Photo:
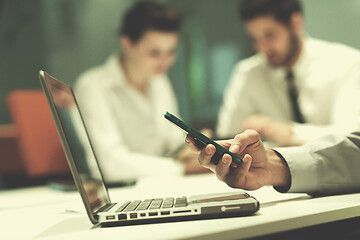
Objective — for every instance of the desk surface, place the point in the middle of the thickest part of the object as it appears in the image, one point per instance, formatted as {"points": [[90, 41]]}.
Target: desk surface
{"points": [[42, 213]]}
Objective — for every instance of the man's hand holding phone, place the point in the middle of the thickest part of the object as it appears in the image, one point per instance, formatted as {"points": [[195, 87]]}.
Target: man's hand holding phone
{"points": [[255, 170], [242, 162], [201, 140]]}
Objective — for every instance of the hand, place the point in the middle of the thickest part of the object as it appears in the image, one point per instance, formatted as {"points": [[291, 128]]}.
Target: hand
{"points": [[193, 167], [259, 167], [189, 158], [270, 129], [185, 154]]}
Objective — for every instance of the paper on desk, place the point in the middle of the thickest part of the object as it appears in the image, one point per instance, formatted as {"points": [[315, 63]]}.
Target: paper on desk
{"points": [[34, 196], [268, 194]]}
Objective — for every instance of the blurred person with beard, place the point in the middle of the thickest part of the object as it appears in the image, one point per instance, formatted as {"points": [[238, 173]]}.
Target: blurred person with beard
{"points": [[296, 88]]}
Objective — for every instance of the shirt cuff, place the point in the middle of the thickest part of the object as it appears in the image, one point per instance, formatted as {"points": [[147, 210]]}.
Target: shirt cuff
{"points": [[303, 169]]}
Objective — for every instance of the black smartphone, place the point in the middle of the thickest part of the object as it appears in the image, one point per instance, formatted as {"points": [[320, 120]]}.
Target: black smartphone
{"points": [[204, 140]]}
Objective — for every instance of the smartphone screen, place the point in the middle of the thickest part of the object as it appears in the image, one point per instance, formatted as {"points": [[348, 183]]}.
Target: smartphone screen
{"points": [[204, 140]]}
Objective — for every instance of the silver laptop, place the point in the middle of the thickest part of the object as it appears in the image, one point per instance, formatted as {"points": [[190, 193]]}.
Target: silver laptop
{"points": [[90, 184]]}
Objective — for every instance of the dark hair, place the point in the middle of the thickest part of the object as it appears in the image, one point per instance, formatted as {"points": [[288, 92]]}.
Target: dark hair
{"points": [[281, 10], [147, 15]]}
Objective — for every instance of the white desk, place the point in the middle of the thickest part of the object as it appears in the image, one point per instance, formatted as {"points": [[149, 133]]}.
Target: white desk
{"points": [[48, 214]]}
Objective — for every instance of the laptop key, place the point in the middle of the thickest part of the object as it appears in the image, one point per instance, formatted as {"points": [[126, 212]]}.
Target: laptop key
{"points": [[108, 207], [144, 205], [156, 204], [132, 206], [169, 200], [121, 208], [181, 202], [168, 203]]}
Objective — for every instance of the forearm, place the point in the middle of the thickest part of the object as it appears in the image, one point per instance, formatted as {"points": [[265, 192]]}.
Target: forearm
{"points": [[326, 166], [306, 132]]}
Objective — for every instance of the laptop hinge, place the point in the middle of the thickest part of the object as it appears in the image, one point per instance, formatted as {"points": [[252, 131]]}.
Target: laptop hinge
{"points": [[105, 208]]}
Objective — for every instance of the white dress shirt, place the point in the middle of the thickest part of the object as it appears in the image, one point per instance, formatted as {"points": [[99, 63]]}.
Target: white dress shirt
{"points": [[327, 76], [130, 136]]}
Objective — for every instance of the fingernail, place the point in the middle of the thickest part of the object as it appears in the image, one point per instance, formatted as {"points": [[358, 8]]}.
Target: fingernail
{"points": [[234, 148], [207, 150], [225, 161]]}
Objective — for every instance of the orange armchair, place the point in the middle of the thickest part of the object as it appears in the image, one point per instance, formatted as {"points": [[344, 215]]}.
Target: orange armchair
{"points": [[10, 160], [39, 144]]}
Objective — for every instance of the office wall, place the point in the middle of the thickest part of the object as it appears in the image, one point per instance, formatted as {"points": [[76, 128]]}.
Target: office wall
{"points": [[213, 40], [333, 20], [66, 37], [21, 41], [63, 37]]}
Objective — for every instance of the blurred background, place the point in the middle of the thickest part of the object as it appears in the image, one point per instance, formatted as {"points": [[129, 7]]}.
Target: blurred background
{"points": [[66, 37]]}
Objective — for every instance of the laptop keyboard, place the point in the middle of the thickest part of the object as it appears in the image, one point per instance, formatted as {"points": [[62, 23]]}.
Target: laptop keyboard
{"points": [[157, 203]]}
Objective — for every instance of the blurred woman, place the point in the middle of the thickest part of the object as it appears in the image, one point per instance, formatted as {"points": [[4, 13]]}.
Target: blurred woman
{"points": [[123, 101]]}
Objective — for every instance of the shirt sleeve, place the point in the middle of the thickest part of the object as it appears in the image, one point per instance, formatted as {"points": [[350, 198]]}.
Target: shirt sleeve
{"points": [[117, 161], [236, 107], [329, 165]]}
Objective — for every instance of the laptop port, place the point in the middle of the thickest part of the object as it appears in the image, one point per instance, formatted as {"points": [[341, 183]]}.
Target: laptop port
{"points": [[183, 211], [111, 217], [165, 213], [133, 215], [122, 217], [153, 213], [142, 214]]}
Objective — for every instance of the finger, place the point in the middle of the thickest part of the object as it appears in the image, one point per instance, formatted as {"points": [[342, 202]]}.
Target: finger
{"points": [[223, 167], [190, 141], [194, 143], [206, 154], [241, 141], [207, 132], [236, 178], [199, 144], [243, 168], [225, 143], [234, 165]]}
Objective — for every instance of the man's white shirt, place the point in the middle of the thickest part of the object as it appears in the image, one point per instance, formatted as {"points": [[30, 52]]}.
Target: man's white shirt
{"points": [[327, 76]]}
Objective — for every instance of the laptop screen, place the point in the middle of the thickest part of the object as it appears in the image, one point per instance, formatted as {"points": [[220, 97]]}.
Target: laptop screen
{"points": [[76, 143]]}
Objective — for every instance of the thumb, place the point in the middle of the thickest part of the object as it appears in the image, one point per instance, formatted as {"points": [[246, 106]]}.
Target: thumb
{"points": [[245, 166]]}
